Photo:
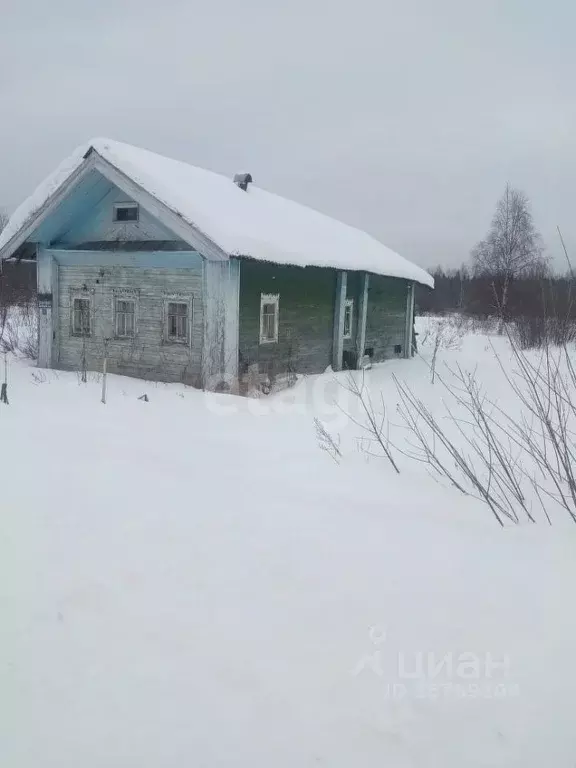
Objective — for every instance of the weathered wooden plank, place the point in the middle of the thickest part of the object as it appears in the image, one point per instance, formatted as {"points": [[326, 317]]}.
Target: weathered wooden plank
{"points": [[409, 320], [144, 260]]}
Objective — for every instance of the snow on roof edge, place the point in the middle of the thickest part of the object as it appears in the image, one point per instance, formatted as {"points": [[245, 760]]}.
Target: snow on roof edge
{"points": [[33, 204]]}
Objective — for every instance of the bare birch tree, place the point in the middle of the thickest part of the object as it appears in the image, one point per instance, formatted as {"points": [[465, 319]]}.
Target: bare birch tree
{"points": [[512, 247]]}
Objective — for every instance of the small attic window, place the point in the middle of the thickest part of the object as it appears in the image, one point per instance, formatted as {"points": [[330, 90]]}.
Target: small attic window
{"points": [[126, 212]]}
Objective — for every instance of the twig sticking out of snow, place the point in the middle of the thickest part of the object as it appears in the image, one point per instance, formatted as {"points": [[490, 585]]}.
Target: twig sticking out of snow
{"points": [[327, 442]]}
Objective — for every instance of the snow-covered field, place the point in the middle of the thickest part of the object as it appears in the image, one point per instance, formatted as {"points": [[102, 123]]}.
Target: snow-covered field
{"points": [[191, 581]]}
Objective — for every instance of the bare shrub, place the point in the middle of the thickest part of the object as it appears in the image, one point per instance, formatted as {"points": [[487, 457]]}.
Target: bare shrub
{"points": [[514, 463], [547, 314], [327, 442], [375, 423], [474, 456], [445, 333], [29, 330], [519, 461], [537, 331], [19, 330]]}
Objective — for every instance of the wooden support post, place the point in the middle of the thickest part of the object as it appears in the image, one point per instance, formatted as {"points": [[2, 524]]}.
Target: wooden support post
{"points": [[232, 334], [4, 389], [44, 278], [221, 324], [104, 362], [55, 354], [104, 370], [362, 312], [409, 320], [339, 303]]}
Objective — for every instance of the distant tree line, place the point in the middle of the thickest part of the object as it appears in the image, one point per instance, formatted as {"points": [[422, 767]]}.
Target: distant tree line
{"points": [[460, 290], [508, 277]]}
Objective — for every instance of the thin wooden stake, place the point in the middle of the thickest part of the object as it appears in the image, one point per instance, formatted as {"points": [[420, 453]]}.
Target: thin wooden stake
{"points": [[4, 391], [104, 367], [104, 381]]}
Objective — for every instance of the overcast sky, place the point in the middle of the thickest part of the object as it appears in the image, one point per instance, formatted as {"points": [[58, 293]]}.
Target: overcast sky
{"points": [[404, 118]]}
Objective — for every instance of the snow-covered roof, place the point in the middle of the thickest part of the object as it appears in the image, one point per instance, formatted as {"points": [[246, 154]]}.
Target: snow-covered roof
{"points": [[253, 223]]}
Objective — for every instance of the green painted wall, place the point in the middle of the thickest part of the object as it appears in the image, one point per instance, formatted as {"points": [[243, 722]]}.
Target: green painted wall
{"points": [[386, 316], [305, 319], [306, 316]]}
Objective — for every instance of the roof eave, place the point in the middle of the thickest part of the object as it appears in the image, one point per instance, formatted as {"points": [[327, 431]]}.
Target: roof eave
{"points": [[428, 283], [41, 213], [93, 160]]}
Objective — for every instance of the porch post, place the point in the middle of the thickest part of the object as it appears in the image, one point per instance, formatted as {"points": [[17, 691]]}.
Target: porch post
{"points": [[409, 320], [45, 272], [221, 321], [55, 356], [339, 303], [362, 311], [231, 336]]}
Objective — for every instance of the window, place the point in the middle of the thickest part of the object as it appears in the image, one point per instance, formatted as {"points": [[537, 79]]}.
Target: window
{"points": [[81, 317], [348, 313], [126, 212], [177, 317], [269, 304], [125, 318]]}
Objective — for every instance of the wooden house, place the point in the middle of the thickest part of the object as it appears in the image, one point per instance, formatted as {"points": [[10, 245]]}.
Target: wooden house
{"points": [[175, 273]]}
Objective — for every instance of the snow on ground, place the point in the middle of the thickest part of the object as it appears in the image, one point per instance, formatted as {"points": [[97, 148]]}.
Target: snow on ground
{"points": [[192, 581]]}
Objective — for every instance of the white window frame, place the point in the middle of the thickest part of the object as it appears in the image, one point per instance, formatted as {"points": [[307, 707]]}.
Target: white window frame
{"points": [[178, 299], [128, 204], [120, 294], [348, 306], [269, 298], [81, 296]]}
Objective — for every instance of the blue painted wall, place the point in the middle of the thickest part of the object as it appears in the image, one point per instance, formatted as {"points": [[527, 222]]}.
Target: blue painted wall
{"points": [[87, 214], [97, 223]]}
